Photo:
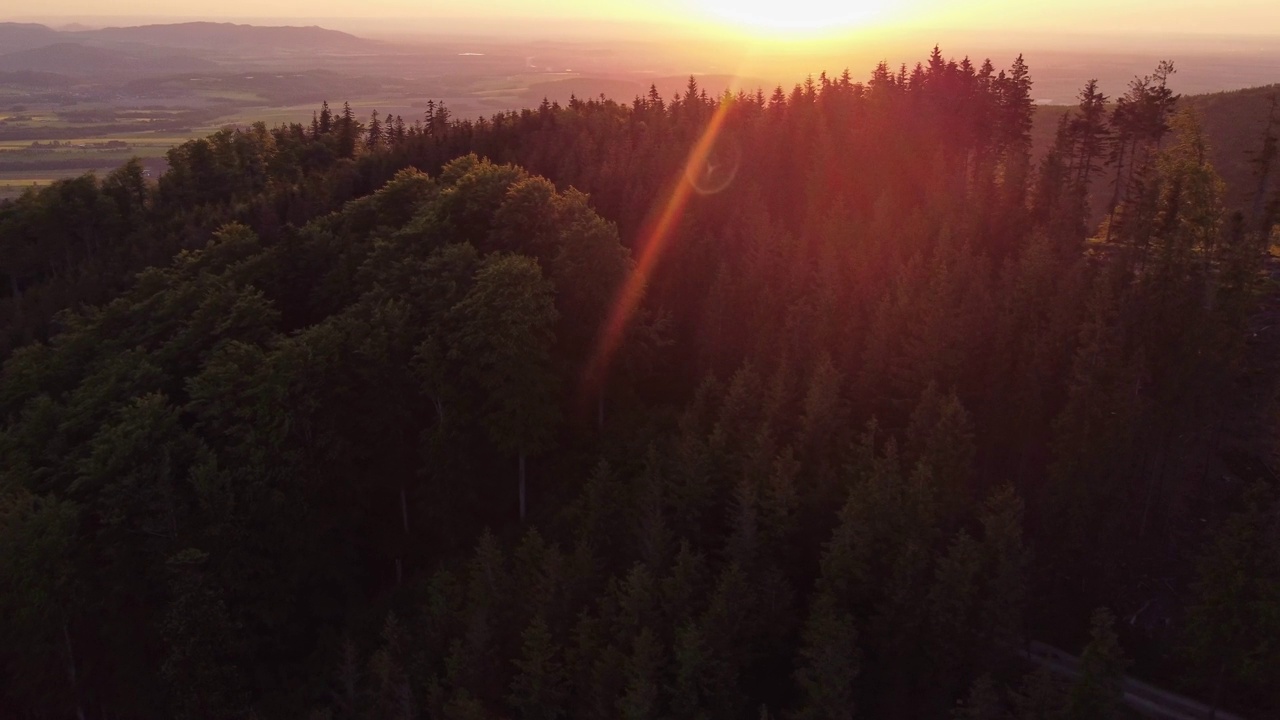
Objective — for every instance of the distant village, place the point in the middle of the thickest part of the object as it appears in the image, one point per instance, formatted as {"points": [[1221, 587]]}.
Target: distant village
{"points": [[38, 146]]}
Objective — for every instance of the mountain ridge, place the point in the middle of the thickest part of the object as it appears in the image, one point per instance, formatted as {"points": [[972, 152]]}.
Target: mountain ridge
{"points": [[226, 36]]}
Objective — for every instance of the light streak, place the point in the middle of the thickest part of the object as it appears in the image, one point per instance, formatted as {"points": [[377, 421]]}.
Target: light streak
{"points": [[652, 246]]}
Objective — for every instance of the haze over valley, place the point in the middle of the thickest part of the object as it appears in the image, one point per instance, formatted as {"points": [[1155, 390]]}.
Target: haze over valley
{"points": [[150, 86]]}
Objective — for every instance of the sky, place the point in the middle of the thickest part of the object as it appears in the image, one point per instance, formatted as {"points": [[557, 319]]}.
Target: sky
{"points": [[782, 19]]}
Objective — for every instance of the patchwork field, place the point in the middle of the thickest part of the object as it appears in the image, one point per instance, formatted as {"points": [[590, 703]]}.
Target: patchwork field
{"points": [[40, 143], [13, 184]]}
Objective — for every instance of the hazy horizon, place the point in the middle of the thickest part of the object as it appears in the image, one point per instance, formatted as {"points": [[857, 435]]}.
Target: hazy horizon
{"points": [[1122, 21], [698, 44]]}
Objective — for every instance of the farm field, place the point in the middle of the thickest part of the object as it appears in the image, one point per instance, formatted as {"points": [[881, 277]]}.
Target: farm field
{"points": [[24, 163], [13, 184], [49, 148], [51, 134]]}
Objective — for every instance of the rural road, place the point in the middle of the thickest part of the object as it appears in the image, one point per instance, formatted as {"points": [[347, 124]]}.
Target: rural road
{"points": [[1147, 700]]}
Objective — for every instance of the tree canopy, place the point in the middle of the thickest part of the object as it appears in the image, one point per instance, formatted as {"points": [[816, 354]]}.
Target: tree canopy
{"points": [[317, 424]]}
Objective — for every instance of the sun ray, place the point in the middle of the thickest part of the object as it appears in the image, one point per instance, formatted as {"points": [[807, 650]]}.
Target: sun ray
{"points": [[653, 244]]}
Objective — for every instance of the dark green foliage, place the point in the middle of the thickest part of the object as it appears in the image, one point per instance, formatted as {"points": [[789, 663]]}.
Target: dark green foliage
{"points": [[982, 703], [538, 690], [257, 461], [1097, 691], [1235, 613], [828, 662]]}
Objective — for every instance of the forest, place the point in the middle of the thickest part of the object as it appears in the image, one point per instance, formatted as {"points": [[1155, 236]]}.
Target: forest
{"points": [[810, 404]]}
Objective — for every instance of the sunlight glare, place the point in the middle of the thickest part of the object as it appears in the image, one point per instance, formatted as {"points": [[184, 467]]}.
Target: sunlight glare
{"points": [[794, 16]]}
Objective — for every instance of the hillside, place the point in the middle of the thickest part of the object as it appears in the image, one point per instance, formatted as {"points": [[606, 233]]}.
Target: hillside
{"points": [[88, 61], [1233, 121], [229, 38], [24, 36], [33, 80], [148, 50]]}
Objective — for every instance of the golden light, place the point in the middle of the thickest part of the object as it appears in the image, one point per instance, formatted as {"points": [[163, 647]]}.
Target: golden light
{"points": [[705, 172], [794, 17]]}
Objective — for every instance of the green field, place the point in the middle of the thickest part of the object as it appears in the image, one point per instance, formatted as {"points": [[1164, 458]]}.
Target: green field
{"points": [[142, 145], [13, 184], [154, 115], [271, 115]]}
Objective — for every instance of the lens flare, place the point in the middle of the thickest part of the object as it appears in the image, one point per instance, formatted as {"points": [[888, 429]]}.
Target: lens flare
{"points": [[702, 165], [716, 171]]}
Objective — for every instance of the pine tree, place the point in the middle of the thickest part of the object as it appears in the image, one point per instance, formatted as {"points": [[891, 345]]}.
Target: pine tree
{"points": [[1016, 118], [348, 132], [326, 119], [641, 699], [1007, 561], [1234, 614], [1041, 697], [941, 436], [1264, 163], [829, 662], [373, 136], [953, 604], [538, 691], [653, 536], [1089, 131], [1098, 692], [983, 702], [394, 697]]}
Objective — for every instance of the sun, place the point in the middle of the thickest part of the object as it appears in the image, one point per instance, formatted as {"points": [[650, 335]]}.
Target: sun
{"points": [[793, 17]]}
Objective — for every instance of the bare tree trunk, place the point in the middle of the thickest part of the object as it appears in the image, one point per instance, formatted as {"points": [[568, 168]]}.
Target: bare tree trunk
{"points": [[1217, 690], [1115, 192], [1264, 160], [522, 507], [348, 675], [1156, 481], [17, 294], [71, 671], [404, 516], [1211, 450], [404, 509]]}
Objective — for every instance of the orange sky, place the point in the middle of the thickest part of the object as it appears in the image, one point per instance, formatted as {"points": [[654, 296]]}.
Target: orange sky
{"points": [[756, 17]]}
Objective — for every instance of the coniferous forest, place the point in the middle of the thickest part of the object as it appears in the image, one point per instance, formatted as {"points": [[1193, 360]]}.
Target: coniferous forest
{"points": [[814, 404]]}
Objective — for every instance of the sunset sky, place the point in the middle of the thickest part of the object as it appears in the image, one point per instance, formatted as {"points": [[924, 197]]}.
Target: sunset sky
{"points": [[760, 17]]}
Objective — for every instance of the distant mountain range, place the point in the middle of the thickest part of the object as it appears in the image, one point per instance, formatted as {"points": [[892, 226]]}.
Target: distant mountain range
{"points": [[228, 37], [161, 49], [24, 36]]}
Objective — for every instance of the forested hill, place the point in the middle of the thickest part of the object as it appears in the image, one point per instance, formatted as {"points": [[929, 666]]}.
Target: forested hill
{"points": [[1234, 123], [819, 405], [231, 37], [223, 38]]}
